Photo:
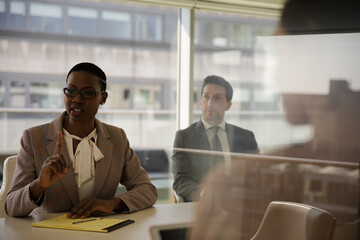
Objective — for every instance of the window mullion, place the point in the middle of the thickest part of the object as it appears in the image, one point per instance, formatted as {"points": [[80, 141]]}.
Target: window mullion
{"points": [[185, 68]]}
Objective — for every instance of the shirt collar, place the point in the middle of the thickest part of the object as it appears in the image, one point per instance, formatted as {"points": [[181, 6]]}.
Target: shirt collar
{"points": [[208, 125], [92, 135]]}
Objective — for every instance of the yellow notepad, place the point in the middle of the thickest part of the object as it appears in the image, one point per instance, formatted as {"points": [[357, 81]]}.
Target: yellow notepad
{"points": [[98, 225]]}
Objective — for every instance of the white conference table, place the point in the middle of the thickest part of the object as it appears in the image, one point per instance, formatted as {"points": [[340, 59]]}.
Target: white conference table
{"points": [[21, 229]]}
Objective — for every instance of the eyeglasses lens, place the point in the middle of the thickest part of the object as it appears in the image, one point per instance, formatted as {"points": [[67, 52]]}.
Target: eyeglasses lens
{"points": [[86, 93]]}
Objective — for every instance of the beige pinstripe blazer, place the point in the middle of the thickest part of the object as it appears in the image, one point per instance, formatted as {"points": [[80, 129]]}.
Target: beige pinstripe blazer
{"points": [[120, 165]]}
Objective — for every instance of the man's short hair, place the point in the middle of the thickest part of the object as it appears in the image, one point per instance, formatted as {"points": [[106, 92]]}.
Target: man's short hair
{"points": [[90, 68], [213, 79]]}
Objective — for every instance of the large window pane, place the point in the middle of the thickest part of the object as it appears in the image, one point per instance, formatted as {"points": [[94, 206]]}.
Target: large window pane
{"points": [[241, 35], [266, 99], [18, 94], [148, 27], [82, 21], [45, 18], [2, 94], [17, 15], [211, 33], [298, 94], [120, 96], [46, 95], [232, 55], [242, 99], [116, 24], [138, 55], [2, 14], [147, 97]]}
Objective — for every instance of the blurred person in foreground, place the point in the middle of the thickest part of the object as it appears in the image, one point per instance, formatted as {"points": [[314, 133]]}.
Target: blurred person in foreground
{"points": [[75, 163], [210, 133], [220, 213]]}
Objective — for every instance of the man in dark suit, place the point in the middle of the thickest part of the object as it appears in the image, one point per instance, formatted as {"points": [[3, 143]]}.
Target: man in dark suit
{"points": [[210, 133]]}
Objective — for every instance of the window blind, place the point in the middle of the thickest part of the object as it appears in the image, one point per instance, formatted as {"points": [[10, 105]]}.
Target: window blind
{"points": [[270, 8]]}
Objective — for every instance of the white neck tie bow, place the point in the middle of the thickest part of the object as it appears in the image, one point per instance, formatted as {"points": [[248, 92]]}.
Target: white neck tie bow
{"points": [[87, 153]]}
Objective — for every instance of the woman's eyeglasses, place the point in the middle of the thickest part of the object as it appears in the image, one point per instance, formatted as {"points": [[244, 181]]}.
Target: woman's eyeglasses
{"points": [[87, 93]]}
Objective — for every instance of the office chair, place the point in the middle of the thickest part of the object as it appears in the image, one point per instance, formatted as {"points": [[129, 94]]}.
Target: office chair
{"points": [[175, 198], [295, 221], [8, 172]]}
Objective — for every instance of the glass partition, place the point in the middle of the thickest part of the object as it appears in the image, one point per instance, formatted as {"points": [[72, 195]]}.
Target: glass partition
{"points": [[296, 88], [295, 100]]}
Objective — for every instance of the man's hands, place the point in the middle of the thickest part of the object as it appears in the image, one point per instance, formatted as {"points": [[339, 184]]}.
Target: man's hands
{"points": [[94, 207], [53, 169]]}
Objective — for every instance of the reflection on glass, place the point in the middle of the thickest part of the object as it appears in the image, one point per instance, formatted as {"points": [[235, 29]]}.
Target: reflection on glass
{"points": [[237, 195], [334, 118], [312, 67], [314, 94]]}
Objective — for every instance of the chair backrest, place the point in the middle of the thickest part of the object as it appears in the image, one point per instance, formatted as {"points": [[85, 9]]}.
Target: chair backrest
{"points": [[153, 160], [175, 198], [8, 172], [295, 221]]}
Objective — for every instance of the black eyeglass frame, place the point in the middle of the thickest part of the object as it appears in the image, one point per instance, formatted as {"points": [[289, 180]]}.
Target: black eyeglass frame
{"points": [[82, 93]]}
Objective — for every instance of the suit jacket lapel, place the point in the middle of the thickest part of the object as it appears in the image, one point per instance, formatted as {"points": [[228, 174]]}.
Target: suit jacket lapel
{"points": [[102, 167], [231, 136], [201, 139], [68, 181]]}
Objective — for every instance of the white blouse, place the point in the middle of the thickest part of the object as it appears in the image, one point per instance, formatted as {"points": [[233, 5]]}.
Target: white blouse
{"points": [[86, 154]]}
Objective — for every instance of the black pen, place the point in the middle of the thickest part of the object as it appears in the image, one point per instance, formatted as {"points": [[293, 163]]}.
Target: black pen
{"points": [[87, 220]]}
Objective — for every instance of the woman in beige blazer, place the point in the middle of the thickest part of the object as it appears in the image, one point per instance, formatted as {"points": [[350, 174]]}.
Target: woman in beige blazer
{"points": [[76, 162]]}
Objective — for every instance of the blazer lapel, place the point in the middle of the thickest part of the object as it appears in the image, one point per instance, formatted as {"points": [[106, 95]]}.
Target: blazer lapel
{"points": [[231, 135], [102, 167], [201, 140], [68, 181]]}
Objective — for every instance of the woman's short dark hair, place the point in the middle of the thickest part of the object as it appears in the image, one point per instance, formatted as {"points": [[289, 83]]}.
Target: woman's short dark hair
{"points": [[90, 68], [213, 79]]}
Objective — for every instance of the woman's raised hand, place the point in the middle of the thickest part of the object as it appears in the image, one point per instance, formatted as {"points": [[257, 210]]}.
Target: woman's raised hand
{"points": [[54, 168]]}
